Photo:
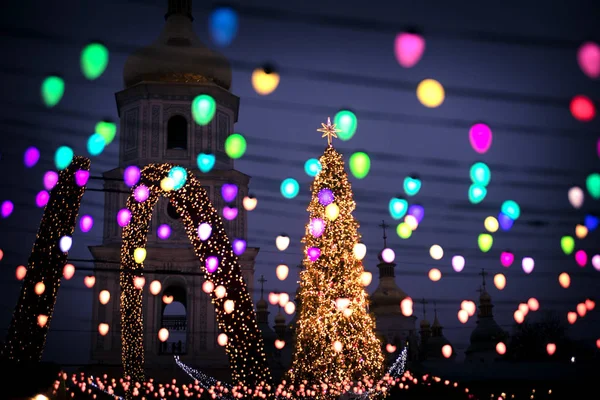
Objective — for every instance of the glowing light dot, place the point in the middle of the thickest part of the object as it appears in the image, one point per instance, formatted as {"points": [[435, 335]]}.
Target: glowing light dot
{"points": [[430, 93], [228, 192], [63, 157], [564, 280], [338, 346], [139, 282], [346, 122], [501, 348], [204, 231], [500, 281], [1, 254], [447, 351], [463, 316], [104, 297], [163, 231], [265, 80], [519, 316], [103, 328], [282, 271], [527, 264], [42, 320], [31, 157], [290, 188], [41, 199], [228, 306], [21, 272], [480, 138], [65, 243], [533, 304], [567, 244], [365, 278], [435, 274], [436, 252], [388, 255], [572, 317], [469, 307], [279, 344], [81, 177], [235, 146], [316, 227], [398, 207], [290, 308], [505, 221], [163, 334], [39, 288], [204, 107], [406, 306], [412, 185], [167, 299], [222, 340], [141, 193], [550, 348], [312, 167], [458, 263], [359, 250], [412, 222], [155, 287], [208, 287]]}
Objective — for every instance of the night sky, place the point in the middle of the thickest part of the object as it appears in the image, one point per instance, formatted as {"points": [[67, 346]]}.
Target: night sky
{"points": [[512, 66]]}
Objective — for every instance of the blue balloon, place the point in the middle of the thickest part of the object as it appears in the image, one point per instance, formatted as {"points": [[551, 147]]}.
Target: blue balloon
{"points": [[591, 222], [223, 25], [505, 221]]}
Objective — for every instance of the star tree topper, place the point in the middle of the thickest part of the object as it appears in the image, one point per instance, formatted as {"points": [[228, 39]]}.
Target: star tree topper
{"points": [[328, 130]]}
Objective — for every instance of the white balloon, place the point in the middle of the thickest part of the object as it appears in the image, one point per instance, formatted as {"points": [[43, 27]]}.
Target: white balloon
{"points": [[65, 243], [282, 242], [576, 196]]}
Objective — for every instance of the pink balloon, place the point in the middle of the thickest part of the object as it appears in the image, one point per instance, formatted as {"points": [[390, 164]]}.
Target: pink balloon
{"points": [[588, 57], [581, 258], [409, 48], [507, 258], [480, 136]]}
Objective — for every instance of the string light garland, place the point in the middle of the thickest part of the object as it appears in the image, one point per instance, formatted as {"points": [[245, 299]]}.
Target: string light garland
{"points": [[245, 346], [26, 337], [331, 346]]}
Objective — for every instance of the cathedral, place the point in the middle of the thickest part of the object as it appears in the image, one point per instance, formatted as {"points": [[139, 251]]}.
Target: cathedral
{"points": [[160, 82]]}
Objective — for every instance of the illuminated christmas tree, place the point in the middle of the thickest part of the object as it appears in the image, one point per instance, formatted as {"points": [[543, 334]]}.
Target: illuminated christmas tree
{"points": [[336, 339]]}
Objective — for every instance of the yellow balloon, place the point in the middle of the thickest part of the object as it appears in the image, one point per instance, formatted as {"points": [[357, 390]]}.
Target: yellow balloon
{"points": [[430, 93], [167, 184], [491, 224], [332, 211], [265, 81], [139, 255]]}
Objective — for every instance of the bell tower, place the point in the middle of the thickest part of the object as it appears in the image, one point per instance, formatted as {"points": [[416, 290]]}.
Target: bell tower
{"points": [[156, 126]]}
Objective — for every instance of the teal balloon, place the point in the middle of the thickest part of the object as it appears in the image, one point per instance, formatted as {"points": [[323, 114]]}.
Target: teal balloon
{"points": [[593, 185], [206, 162], [398, 207], [312, 167], [477, 193], [290, 188], [203, 109], [63, 157], [345, 121], [179, 176], [94, 60], [511, 209], [360, 164], [480, 174], [96, 144], [412, 185], [53, 89]]}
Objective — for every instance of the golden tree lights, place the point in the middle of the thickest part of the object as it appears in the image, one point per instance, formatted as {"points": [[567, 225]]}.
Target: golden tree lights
{"points": [[26, 336], [333, 347], [245, 344]]}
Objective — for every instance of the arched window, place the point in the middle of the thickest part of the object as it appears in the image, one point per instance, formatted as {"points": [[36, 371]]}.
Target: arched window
{"points": [[174, 318], [177, 133]]}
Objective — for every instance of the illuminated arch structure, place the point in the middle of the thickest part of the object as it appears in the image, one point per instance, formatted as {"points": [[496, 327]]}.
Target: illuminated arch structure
{"points": [[26, 336], [245, 346]]}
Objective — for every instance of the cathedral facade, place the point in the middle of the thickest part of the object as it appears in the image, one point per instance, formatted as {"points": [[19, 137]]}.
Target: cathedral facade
{"points": [[156, 126]]}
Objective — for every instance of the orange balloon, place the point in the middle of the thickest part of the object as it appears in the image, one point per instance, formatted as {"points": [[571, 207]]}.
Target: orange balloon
{"points": [[21, 272], [435, 274], [469, 307], [42, 320], [68, 271], [598, 343], [1, 254], [406, 306], [572, 317], [533, 304], [581, 309], [447, 351], [89, 281], [590, 304], [40, 288], [501, 348], [551, 348], [524, 309], [519, 317], [103, 329], [463, 316], [564, 280]]}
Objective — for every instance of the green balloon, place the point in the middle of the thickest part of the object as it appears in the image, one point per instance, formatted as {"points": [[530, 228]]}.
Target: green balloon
{"points": [[345, 121], [477, 193], [360, 164], [107, 130], [485, 242], [94, 60], [203, 109], [511, 209], [403, 230], [593, 185], [53, 88], [567, 243], [63, 157], [235, 146], [480, 174]]}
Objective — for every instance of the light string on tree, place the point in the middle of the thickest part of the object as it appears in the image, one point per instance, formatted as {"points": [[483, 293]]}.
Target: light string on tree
{"points": [[245, 346], [27, 332]]}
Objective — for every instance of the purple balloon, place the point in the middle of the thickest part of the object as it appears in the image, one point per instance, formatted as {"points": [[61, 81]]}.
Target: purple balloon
{"points": [[326, 197], [123, 217], [212, 264], [505, 221], [228, 192], [141, 193], [239, 247], [313, 253], [86, 223], [317, 227], [230, 213], [7, 208], [42, 199], [31, 157], [50, 180], [131, 175], [417, 211], [81, 177], [164, 231]]}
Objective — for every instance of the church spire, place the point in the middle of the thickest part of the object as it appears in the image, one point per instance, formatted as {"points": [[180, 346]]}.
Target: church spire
{"points": [[180, 7], [383, 225], [485, 300], [386, 270]]}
